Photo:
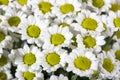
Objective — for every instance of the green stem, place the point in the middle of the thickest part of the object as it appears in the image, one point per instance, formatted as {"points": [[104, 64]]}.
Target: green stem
{"points": [[110, 40]]}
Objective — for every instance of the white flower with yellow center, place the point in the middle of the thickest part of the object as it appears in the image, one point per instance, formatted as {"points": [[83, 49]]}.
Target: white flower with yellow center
{"points": [[28, 75], [5, 75], [113, 21], [65, 8], [43, 7], [60, 77], [63, 22], [5, 61], [57, 37], [115, 51], [14, 19], [26, 58], [82, 63], [109, 68], [52, 59], [92, 42], [87, 21], [33, 30], [117, 36], [5, 39], [22, 4], [99, 5], [115, 5]]}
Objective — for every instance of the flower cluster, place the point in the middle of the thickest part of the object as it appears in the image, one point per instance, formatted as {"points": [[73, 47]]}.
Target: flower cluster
{"points": [[59, 39]]}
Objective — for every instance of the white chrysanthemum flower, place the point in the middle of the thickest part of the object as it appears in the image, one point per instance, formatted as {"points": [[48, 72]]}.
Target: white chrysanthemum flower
{"points": [[57, 37], [26, 58], [5, 75], [28, 75], [60, 77], [33, 30], [107, 32], [65, 8], [43, 8], [5, 63], [115, 5], [82, 63], [63, 22], [113, 21], [99, 5], [109, 68], [115, 51], [92, 42], [22, 4], [88, 22], [14, 20], [5, 39], [52, 59]]}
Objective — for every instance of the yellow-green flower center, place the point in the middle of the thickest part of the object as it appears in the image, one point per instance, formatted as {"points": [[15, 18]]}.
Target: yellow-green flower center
{"points": [[64, 25], [106, 48], [118, 34], [3, 76], [66, 8], [98, 3], [82, 63], [22, 2], [108, 65], [28, 75], [57, 39], [45, 7], [4, 2], [29, 59], [89, 24], [115, 7], [84, 0], [53, 59], [89, 42], [14, 21], [117, 54], [0, 20], [117, 22], [33, 31], [2, 36], [3, 60], [74, 43]]}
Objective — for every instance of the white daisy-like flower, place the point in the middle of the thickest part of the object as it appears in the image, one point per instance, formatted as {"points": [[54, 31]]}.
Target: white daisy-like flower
{"points": [[113, 21], [26, 58], [5, 39], [115, 5], [14, 19], [33, 30], [5, 61], [52, 59], [99, 5], [60, 77], [82, 63], [92, 42], [115, 51], [28, 75], [22, 4], [57, 37], [43, 8], [107, 32], [5, 75], [109, 68], [88, 22], [63, 22], [65, 8], [117, 36]]}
